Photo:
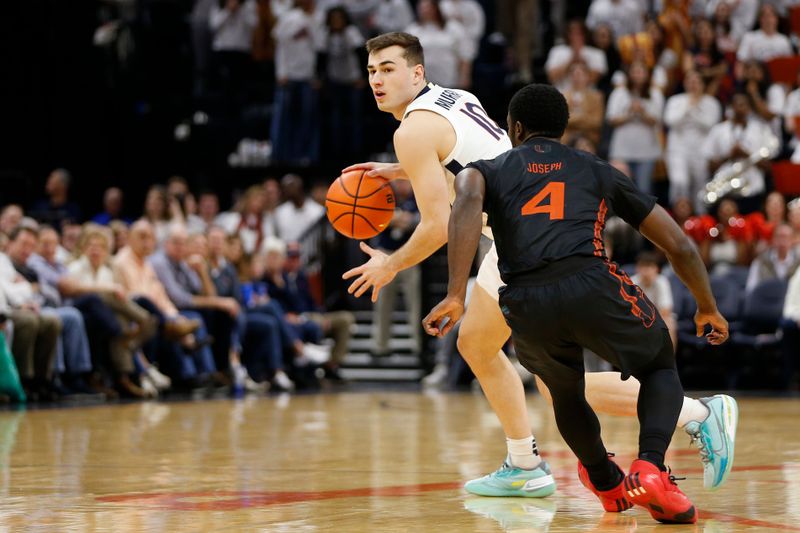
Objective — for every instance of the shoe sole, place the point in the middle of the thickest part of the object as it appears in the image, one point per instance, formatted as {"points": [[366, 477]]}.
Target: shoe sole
{"points": [[616, 505], [731, 409], [640, 495], [541, 492]]}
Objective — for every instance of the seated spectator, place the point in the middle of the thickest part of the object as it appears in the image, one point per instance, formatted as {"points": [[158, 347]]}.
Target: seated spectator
{"points": [[159, 211], [10, 217], [298, 214], [705, 58], [36, 333], [728, 242], [780, 261], [133, 271], [563, 56], [689, 117], [207, 208], [249, 221], [73, 357], [625, 17], [793, 218], [90, 273], [657, 289], [57, 209], [119, 235], [767, 42], [112, 207], [735, 139], [634, 111], [190, 289], [449, 51], [763, 223], [183, 206], [70, 237], [790, 326], [695, 226], [586, 106]]}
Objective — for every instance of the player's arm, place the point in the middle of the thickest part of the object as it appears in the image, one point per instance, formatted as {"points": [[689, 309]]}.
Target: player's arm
{"points": [[416, 143], [464, 231], [660, 229]]}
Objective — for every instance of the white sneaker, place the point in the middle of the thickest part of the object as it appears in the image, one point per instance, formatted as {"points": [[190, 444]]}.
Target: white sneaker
{"points": [[316, 353], [160, 381], [437, 377], [148, 386], [239, 375], [281, 380], [250, 385]]}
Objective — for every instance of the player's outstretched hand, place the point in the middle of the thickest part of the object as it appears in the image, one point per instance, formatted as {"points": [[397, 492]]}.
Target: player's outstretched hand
{"points": [[719, 326], [375, 273], [443, 317], [389, 171]]}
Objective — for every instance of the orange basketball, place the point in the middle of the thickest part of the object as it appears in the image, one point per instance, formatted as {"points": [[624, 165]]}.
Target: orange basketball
{"points": [[360, 206]]}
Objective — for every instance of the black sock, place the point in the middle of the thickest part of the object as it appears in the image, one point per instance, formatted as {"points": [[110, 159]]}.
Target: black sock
{"points": [[605, 475], [654, 457]]}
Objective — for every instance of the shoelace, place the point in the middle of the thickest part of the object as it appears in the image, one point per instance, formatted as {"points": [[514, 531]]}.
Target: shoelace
{"points": [[696, 438], [673, 479]]}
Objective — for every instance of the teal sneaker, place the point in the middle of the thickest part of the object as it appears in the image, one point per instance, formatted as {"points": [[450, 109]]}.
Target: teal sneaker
{"points": [[509, 480], [715, 438]]}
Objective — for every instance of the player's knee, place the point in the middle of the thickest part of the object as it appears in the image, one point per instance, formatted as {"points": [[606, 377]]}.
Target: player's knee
{"points": [[469, 345]]}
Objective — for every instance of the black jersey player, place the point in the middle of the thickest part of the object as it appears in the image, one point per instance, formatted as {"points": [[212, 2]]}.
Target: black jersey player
{"points": [[547, 204]]}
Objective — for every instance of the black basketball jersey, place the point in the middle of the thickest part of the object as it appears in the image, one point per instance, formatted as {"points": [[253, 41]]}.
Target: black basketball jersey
{"points": [[547, 202]]}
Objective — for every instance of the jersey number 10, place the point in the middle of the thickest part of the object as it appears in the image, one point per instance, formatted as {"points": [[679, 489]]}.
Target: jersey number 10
{"points": [[476, 113], [555, 209]]}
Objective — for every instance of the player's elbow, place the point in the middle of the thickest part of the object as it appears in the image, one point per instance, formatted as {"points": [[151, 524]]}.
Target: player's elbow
{"points": [[681, 248]]}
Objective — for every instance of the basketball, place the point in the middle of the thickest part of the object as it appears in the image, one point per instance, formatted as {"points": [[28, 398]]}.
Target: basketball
{"points": [[360, 206]]}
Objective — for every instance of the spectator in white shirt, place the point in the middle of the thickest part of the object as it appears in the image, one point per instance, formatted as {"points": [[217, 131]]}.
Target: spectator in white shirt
{"points": [[740, 14], [634, 111], [469, 14], [689, 117], [344, 85], [232, 23], [298, 213], [295, 132], [768, 99], [249, 220], [392, 15], [765, 43], [624, 16], [562, 56], [448, 50], [780, 261], [736, 139]]}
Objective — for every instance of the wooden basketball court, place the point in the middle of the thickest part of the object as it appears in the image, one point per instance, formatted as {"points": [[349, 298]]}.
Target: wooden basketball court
{"points": [[351, 462]]}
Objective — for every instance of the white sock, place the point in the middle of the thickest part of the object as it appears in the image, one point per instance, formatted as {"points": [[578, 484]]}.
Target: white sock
{"points": [[524, 453], [692, 411]]}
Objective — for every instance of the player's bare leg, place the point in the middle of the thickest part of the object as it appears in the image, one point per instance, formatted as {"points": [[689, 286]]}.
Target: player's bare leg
{"points": [[710, 422], [482, 335]]}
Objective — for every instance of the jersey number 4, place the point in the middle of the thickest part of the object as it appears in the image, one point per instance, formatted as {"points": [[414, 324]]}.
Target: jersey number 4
{"points": [[555, 209]]}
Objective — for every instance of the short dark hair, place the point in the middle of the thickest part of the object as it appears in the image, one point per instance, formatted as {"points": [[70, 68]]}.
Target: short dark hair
{"points": [[413, 49], [541, 109], [23, 228], [648, 258]]}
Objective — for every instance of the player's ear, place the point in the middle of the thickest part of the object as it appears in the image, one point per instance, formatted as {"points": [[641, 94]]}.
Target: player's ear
{"points": [[419, 73]]}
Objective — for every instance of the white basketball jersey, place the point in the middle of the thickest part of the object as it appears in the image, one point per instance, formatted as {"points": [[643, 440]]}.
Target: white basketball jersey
{"points": [[477, 136]]}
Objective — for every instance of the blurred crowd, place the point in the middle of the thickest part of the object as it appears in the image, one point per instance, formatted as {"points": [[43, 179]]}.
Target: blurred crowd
{"points": [[696, 100], [182, 298]]}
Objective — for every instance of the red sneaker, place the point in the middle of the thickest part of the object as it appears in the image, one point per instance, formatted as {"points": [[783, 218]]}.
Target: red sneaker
{"points": [[613, 500], [657, 492]]}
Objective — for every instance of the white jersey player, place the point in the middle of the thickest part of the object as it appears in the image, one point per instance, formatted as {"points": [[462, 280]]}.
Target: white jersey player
{"points": [[442, 130]]}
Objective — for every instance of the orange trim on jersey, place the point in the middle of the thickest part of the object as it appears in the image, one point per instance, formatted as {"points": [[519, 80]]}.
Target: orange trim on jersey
{"points": [[647, 316], [599, 248]]}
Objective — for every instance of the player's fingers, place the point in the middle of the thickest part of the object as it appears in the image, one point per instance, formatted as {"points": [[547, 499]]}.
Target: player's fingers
{"points": [[375, 291], [365, 286], [359, 166], [366, 248], [700, 329], [356, 284], [447, 327], [353, 272]]}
